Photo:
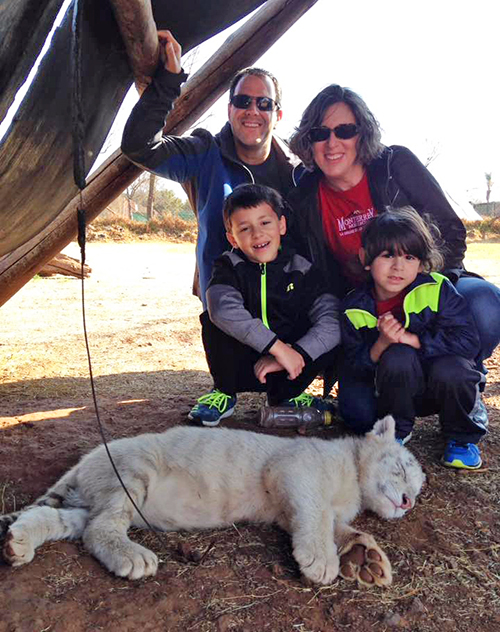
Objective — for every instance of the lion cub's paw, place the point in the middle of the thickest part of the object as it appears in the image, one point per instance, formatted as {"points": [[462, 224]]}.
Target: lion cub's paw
{"points": [[18, 548], [317, 568], [363, 560], [135, 562]]}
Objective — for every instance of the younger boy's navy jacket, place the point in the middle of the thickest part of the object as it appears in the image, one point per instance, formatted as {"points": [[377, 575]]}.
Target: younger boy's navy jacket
{"points": [[434, 311], [284, 299]]}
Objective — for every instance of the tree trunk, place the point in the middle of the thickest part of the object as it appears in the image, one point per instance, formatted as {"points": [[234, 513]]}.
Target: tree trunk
{"points": [[151, 196], [129, 206]]}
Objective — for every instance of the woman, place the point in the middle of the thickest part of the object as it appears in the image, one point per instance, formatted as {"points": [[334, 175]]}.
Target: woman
{"points": [[350, 177]]}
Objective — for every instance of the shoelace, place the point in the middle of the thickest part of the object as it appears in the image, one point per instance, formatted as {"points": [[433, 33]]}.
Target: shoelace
{"points": [[304, 399], [216, 399], [463, 447]]}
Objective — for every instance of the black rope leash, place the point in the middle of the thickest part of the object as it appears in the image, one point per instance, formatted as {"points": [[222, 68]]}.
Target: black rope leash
{"points": [[78, 118]]}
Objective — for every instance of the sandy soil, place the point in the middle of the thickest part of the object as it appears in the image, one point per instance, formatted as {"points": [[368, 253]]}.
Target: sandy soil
{"points": [[149, 367]]}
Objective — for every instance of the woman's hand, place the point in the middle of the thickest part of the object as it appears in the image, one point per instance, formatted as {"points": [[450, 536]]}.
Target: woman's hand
{"points": [[266, 364], [290, 360], [170, 52]]}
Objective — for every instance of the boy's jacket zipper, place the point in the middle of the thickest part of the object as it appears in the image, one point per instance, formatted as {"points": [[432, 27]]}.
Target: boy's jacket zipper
{"points": [[263, 294]]}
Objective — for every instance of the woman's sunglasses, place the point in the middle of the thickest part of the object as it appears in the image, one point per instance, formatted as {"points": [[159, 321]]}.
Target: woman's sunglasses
{"points": [[342, 132], [243, 102]]}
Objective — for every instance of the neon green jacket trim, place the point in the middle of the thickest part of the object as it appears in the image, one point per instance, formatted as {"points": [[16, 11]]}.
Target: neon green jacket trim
{"points": [[421, 297]]}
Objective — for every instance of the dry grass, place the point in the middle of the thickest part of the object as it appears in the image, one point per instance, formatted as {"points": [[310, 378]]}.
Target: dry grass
{"points": [[487, 228], [170, 228]]}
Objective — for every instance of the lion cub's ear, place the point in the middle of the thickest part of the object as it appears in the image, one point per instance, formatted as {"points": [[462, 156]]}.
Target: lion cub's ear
{"points": [[385, 428]]}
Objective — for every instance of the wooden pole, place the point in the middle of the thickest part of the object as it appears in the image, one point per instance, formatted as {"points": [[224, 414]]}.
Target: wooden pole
{"points": [[243, 48], [138, 30]]}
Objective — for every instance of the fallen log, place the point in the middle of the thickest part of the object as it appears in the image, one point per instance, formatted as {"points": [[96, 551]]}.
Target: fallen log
{"points": [[66, 265]]}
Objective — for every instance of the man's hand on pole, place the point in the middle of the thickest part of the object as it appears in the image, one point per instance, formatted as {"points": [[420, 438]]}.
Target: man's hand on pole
{"points": [[170, 52]]}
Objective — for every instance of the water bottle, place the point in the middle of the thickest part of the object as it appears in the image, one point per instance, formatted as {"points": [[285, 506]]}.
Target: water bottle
{"points": [[300, 418]]}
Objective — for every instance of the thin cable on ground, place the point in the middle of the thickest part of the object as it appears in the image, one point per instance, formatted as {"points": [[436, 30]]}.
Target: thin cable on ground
{"points": [[80, 181], [96, 408]]}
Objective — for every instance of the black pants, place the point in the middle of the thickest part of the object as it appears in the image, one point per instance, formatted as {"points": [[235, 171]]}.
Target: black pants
{"points": [[231, 365], [405, 387]]}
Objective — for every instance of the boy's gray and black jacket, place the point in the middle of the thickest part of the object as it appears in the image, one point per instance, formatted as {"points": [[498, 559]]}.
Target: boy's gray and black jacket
{"points": [[285, 299], [434, 311]]}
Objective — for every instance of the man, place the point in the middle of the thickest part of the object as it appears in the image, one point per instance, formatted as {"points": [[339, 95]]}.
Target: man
{"points": [[209, 167]]}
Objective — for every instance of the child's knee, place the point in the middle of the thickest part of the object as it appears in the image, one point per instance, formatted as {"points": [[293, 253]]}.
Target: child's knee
{"points": [[398, 363], [358, 415], [451, 371]]}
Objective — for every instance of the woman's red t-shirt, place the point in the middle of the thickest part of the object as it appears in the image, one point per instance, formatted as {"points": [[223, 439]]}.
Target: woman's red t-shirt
{"points": [[344, 215]]}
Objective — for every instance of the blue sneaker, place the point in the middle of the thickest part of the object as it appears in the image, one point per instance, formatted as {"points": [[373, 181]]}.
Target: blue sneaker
{"points": [[309, 401], [464, 456], [212, 407], [404, 440]]}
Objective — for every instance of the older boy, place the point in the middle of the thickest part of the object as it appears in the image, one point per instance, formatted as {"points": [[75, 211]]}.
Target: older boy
{"points": [[270, 323]]}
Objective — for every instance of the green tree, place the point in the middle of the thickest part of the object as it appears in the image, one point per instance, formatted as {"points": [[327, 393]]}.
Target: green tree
{"points": [[167, 203]]}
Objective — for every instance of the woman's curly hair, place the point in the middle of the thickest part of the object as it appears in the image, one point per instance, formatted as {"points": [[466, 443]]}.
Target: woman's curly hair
{"points": [[368, 144]]}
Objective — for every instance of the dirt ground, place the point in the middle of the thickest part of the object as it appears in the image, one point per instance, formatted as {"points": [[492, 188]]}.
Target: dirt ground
{"points": [[149, 367]]}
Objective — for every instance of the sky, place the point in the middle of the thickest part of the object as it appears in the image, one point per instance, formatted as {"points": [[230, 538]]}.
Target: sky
{"points": [[428, 70]]}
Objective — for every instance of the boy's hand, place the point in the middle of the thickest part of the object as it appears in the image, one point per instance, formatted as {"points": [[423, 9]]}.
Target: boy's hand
{"points": [[390, 332], [266, 364], [390, 329], [290, 360], [170, 52], [410, 339]]}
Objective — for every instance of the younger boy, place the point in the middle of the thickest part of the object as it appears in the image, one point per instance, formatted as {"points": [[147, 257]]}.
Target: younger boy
{"points": [[270, 325], [410, 341]]}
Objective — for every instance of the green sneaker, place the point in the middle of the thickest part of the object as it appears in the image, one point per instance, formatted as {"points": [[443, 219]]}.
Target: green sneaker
{"points": [[212, 407], [306, 400]]}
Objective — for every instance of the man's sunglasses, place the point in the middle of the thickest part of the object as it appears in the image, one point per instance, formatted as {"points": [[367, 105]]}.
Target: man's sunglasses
{"points": [[243, 102], [342, 132]]}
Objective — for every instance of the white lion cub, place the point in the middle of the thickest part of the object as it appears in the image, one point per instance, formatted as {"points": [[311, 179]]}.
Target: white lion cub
{"points": [[192, 478]]}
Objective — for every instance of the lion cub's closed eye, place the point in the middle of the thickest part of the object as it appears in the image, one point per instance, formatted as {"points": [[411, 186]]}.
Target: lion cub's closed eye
{"points": [[194, 478]]}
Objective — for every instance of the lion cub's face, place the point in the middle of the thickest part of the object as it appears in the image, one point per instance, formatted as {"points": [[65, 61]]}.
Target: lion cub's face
{"points": [[390, 476]]}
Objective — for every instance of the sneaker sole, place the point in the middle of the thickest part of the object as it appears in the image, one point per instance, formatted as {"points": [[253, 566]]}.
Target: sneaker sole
{"points": [[460, 465], [212, 424]]}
